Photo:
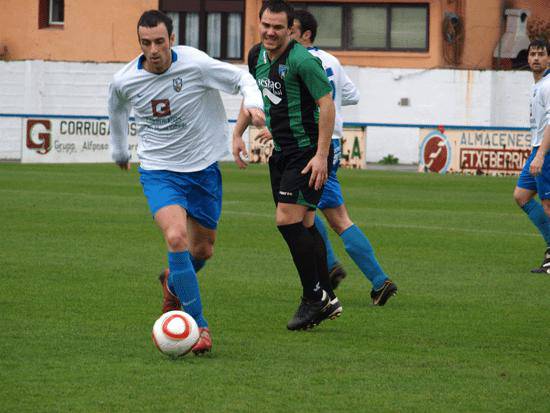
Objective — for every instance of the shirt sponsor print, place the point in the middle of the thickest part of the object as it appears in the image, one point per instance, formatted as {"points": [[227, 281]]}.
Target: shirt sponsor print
{"points": [[474, 152]]}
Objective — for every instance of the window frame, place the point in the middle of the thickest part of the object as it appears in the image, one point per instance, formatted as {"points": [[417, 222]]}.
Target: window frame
{"points": [[203, 8], [45, 9], [51, 22], [346, 33]]}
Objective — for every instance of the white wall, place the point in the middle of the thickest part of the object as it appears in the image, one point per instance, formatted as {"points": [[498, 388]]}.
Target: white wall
{"points": [[448, 97]]}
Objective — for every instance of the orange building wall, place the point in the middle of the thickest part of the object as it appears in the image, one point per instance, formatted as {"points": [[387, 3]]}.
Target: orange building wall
{"points": [[98, 30], [432, 58], [104, 31], [483, 28]]}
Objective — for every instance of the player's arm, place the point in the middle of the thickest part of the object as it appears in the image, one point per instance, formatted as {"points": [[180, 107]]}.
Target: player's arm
{"points": [[538, 161], [318, 164], [230, 79], [315, 79], [119, 113], [350, 94], [239, 148]]}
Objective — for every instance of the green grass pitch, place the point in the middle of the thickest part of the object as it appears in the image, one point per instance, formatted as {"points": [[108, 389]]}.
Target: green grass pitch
{"points": [[469, 330]]}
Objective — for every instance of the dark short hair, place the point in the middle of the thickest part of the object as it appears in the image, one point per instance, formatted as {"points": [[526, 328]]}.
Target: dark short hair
{"points": [[307, 21], [152, 18], [540, 43], [279, 6]]}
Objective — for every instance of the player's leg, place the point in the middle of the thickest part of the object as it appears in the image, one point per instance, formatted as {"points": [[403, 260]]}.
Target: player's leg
{"points": [[332, 259], [543, 189], [360, 250], [289, 218], [291, 209], [168, 194], [201, 243], [524, 195], [203, 214], [335, 309], [331, 197], [182, 281]]}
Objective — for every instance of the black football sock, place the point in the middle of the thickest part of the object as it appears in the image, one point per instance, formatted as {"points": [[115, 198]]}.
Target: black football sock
{"points": [[302, 248], [322, 266]]}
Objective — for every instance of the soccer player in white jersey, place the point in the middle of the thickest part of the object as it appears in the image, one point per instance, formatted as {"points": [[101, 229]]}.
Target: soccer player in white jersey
{"points": [[182, 133], [535, 176], [332, 205]]}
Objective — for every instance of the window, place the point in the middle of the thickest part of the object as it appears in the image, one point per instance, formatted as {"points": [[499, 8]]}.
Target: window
{"points": [[51, 13], [214, 26], [399, 27]]}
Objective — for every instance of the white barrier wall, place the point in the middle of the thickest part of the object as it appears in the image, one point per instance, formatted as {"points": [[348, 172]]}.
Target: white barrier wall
{"points": [[390, 98]]}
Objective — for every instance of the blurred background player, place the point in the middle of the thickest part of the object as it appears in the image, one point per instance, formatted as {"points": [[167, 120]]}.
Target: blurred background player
{"points": [[357, 245], [182, 133], [300, 117], [535, 176]]}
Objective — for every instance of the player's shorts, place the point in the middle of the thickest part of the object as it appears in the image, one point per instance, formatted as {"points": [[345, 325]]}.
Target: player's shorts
{"points": [[288, 184], [332, 193], [199, 193], [540, 183]]}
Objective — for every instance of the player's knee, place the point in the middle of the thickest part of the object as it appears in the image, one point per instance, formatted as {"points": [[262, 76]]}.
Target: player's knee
{"points": [[176, 240], [340, 225], [521, 198], [203, 251]]}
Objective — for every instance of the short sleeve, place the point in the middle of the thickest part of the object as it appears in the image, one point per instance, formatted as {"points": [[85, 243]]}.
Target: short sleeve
{"points": [[253, 56], [314, 77]]}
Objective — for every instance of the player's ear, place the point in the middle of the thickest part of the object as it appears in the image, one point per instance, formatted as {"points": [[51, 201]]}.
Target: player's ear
{"points": [[172, 39]]}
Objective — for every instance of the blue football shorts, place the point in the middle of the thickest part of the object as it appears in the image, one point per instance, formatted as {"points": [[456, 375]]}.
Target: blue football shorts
{"points": [[199, 193], [332, 193], [540, 183]]}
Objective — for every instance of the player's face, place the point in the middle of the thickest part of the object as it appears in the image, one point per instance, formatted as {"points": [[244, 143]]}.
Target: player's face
{"points": [[296, 31], [155, 45], [274, 31], [538, 59]]}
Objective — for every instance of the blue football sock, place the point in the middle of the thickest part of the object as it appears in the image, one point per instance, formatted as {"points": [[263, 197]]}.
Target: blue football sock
{"points": [[360, 250], [536, 214], [197, 264], [183, 282], [332, 259]]}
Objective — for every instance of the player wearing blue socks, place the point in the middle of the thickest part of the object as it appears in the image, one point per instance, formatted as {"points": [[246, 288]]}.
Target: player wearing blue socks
{"points": [[182, 133], [332, 205], [535, 176]]}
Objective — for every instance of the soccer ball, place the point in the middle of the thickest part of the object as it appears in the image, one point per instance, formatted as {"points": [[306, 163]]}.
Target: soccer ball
{"points": [[175, 333]]}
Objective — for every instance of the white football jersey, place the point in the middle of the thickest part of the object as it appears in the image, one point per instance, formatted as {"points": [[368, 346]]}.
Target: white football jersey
{"points": [[540, 108], [344, 92], [180, 118]]}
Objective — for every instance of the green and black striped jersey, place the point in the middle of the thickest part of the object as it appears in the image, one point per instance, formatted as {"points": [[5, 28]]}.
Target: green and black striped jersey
{"points": [[290, 86]]}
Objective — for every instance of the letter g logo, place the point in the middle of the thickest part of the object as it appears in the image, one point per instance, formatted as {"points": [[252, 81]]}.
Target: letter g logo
{"points": [[161, 107], [39, 135]]}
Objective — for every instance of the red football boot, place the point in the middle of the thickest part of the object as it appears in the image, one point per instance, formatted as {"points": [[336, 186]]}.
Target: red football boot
{"points": [[169, 301], [204, 345]]}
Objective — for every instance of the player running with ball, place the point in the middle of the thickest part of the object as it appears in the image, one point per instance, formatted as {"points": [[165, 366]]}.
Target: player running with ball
{"points": [[182, 133]]}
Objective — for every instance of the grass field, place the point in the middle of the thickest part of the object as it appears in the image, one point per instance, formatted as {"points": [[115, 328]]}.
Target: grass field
{"points": [[469, 330]]}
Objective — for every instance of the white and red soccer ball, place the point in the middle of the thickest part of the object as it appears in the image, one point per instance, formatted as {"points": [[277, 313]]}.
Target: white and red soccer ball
{"points": [[175, 333]]}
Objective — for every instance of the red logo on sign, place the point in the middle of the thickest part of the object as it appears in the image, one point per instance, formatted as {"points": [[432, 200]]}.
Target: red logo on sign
{"points": [[39, 135], [435, 154], [161, 107]]}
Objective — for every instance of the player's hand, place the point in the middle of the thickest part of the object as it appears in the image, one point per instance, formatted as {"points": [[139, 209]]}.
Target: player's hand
{"points": [[263, 136], [536, 166], [257, 117], [319, 174], [239, 152], [124, 165]]}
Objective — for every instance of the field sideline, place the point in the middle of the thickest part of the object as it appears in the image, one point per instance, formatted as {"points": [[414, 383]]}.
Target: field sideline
{"points": [[469, 330]]}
